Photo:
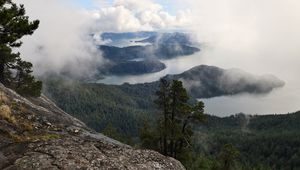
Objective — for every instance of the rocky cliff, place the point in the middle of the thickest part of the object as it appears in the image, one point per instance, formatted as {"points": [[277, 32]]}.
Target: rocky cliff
{"points": [[35, 134]]}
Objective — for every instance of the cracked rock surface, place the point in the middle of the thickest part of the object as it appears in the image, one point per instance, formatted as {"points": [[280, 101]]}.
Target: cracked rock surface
{"points": [[35, 134]]}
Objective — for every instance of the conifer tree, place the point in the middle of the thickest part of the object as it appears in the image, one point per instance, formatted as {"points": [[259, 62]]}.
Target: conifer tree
{"points": [[228, 156], [163, 103], [15, 73], [179, 109], [173, 133]]}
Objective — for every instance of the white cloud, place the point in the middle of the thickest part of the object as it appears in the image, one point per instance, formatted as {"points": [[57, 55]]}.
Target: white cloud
{"points": [[62, 40], [116, 19], [259, 36], [139, 6], [137, 15]]}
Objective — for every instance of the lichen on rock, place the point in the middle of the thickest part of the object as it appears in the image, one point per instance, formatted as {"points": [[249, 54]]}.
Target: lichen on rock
{"points": [[36, 134]]}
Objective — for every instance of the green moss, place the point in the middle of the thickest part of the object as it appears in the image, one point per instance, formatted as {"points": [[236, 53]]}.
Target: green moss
{"points": [[32, 138], [47, 137], [14, 105]]}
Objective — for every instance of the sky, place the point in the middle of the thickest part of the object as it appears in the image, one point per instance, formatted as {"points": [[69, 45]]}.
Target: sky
{"points": [[258, 36], [94, 4]]}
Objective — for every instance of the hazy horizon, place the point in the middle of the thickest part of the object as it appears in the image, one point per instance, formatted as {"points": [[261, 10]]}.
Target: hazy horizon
{"points": [[259, 37]]}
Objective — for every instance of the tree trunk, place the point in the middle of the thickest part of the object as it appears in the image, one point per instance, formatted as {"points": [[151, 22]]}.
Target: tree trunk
{"points": [[165, 130], [175, 150], [2, 73], [160, 145], [172, 148], [20, 76], [165, 145]]}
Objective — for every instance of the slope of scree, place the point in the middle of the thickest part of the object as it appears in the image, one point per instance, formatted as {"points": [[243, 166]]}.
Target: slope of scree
{"points": [[35, 134]]}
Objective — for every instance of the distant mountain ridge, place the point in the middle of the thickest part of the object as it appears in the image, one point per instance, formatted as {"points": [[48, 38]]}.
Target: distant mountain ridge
{"points": [[137, 67], [160, 46], [161, 51], [175, 38], [209, 81], [113, 36]]}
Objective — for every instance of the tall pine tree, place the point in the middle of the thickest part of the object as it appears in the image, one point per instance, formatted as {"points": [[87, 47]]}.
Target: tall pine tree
{"points": [[179, 109], [172, 135], [163, 103], [15, 73]]}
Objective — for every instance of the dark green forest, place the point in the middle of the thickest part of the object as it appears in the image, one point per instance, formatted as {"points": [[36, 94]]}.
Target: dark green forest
{"points": [[263, 142], [98, 105]]}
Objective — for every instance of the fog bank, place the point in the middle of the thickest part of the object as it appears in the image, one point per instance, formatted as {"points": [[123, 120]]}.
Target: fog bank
{"points": [[260, 37]]}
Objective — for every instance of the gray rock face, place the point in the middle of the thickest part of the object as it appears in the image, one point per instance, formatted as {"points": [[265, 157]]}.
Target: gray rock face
{"points": [[35, 134]]}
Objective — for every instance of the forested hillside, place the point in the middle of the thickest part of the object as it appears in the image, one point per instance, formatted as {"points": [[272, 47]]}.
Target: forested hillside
{"points": [[264, 142], [99, 105], [125, 106]]}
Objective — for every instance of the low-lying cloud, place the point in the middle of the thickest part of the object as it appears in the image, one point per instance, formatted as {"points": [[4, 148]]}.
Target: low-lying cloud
{"points": [[258, 36], [210, 81], [63, 42], [233, 80]]}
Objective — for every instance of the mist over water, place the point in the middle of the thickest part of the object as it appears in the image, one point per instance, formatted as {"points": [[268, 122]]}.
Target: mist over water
{"points": [[125, 42], [279, 101], [174, 66]]}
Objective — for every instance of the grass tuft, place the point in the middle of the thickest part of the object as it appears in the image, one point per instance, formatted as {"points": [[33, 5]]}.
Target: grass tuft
{"points": [[5, 113]]}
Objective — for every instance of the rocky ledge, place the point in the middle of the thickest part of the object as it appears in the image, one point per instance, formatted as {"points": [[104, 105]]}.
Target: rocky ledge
{"points": [[36, 134]]}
